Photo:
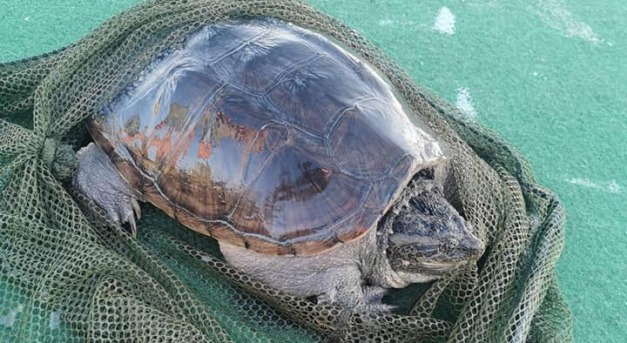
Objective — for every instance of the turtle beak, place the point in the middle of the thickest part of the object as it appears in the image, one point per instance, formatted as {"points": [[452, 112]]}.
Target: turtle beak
{"points": [[471, 247]]}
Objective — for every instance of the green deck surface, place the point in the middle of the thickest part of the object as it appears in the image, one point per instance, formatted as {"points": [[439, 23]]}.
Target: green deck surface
{"points": [[549, 75]]}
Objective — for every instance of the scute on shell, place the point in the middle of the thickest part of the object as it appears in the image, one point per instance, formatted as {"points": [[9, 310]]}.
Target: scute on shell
{"points": [[265, 135]]}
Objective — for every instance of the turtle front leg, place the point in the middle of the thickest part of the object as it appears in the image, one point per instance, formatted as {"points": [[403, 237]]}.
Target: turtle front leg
{"points": [[98, 180]]}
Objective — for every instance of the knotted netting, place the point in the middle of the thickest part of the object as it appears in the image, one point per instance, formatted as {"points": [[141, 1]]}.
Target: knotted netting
{"points": [[66, 275]]}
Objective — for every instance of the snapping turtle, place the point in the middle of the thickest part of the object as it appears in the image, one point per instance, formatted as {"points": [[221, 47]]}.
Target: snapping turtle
{"points": [[296, 156]]}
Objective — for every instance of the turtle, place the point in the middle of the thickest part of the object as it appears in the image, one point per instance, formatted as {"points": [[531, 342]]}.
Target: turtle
{"points": [[295, 155]]}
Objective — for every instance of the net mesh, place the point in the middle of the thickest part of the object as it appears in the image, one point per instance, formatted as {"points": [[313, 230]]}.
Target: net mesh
{"points": [[68, 276]]}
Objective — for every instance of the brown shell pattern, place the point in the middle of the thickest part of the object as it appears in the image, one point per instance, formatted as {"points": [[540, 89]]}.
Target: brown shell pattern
{"points": [[265, 135]]}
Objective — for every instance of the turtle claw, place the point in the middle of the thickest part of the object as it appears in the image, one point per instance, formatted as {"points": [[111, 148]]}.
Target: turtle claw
{"points": [[124, 212], [130, 218], [133, 227], [98, 179], [373, 299], [136, 208]]}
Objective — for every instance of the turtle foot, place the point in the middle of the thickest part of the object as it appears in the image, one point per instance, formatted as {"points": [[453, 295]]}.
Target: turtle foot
{"points": [[373, 300], [98, 179], [367, 299]]}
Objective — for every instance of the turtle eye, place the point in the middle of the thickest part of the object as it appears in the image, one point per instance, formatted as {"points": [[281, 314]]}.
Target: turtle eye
{"points": [[427, 250], [424, 174]]}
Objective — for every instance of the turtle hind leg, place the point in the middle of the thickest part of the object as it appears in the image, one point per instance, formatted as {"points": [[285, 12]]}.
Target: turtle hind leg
{"points": [[99, 181]]}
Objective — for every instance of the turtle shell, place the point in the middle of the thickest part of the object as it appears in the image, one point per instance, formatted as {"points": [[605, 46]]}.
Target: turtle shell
{"points": [[265, 135]]}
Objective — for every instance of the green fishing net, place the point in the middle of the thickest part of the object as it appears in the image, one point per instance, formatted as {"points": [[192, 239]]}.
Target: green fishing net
{"points": [[66, 275]]}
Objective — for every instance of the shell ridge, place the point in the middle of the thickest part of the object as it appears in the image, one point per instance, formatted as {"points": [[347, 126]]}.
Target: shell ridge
{"points": [[302, 146], [281, 76], [234, 49]]}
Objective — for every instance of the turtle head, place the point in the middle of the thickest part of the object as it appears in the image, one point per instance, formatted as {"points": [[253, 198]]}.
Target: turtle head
{"points": [[427, 237]]}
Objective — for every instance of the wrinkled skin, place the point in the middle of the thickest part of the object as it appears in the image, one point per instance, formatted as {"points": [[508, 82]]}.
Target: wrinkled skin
{"points": [[421, 238]]}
